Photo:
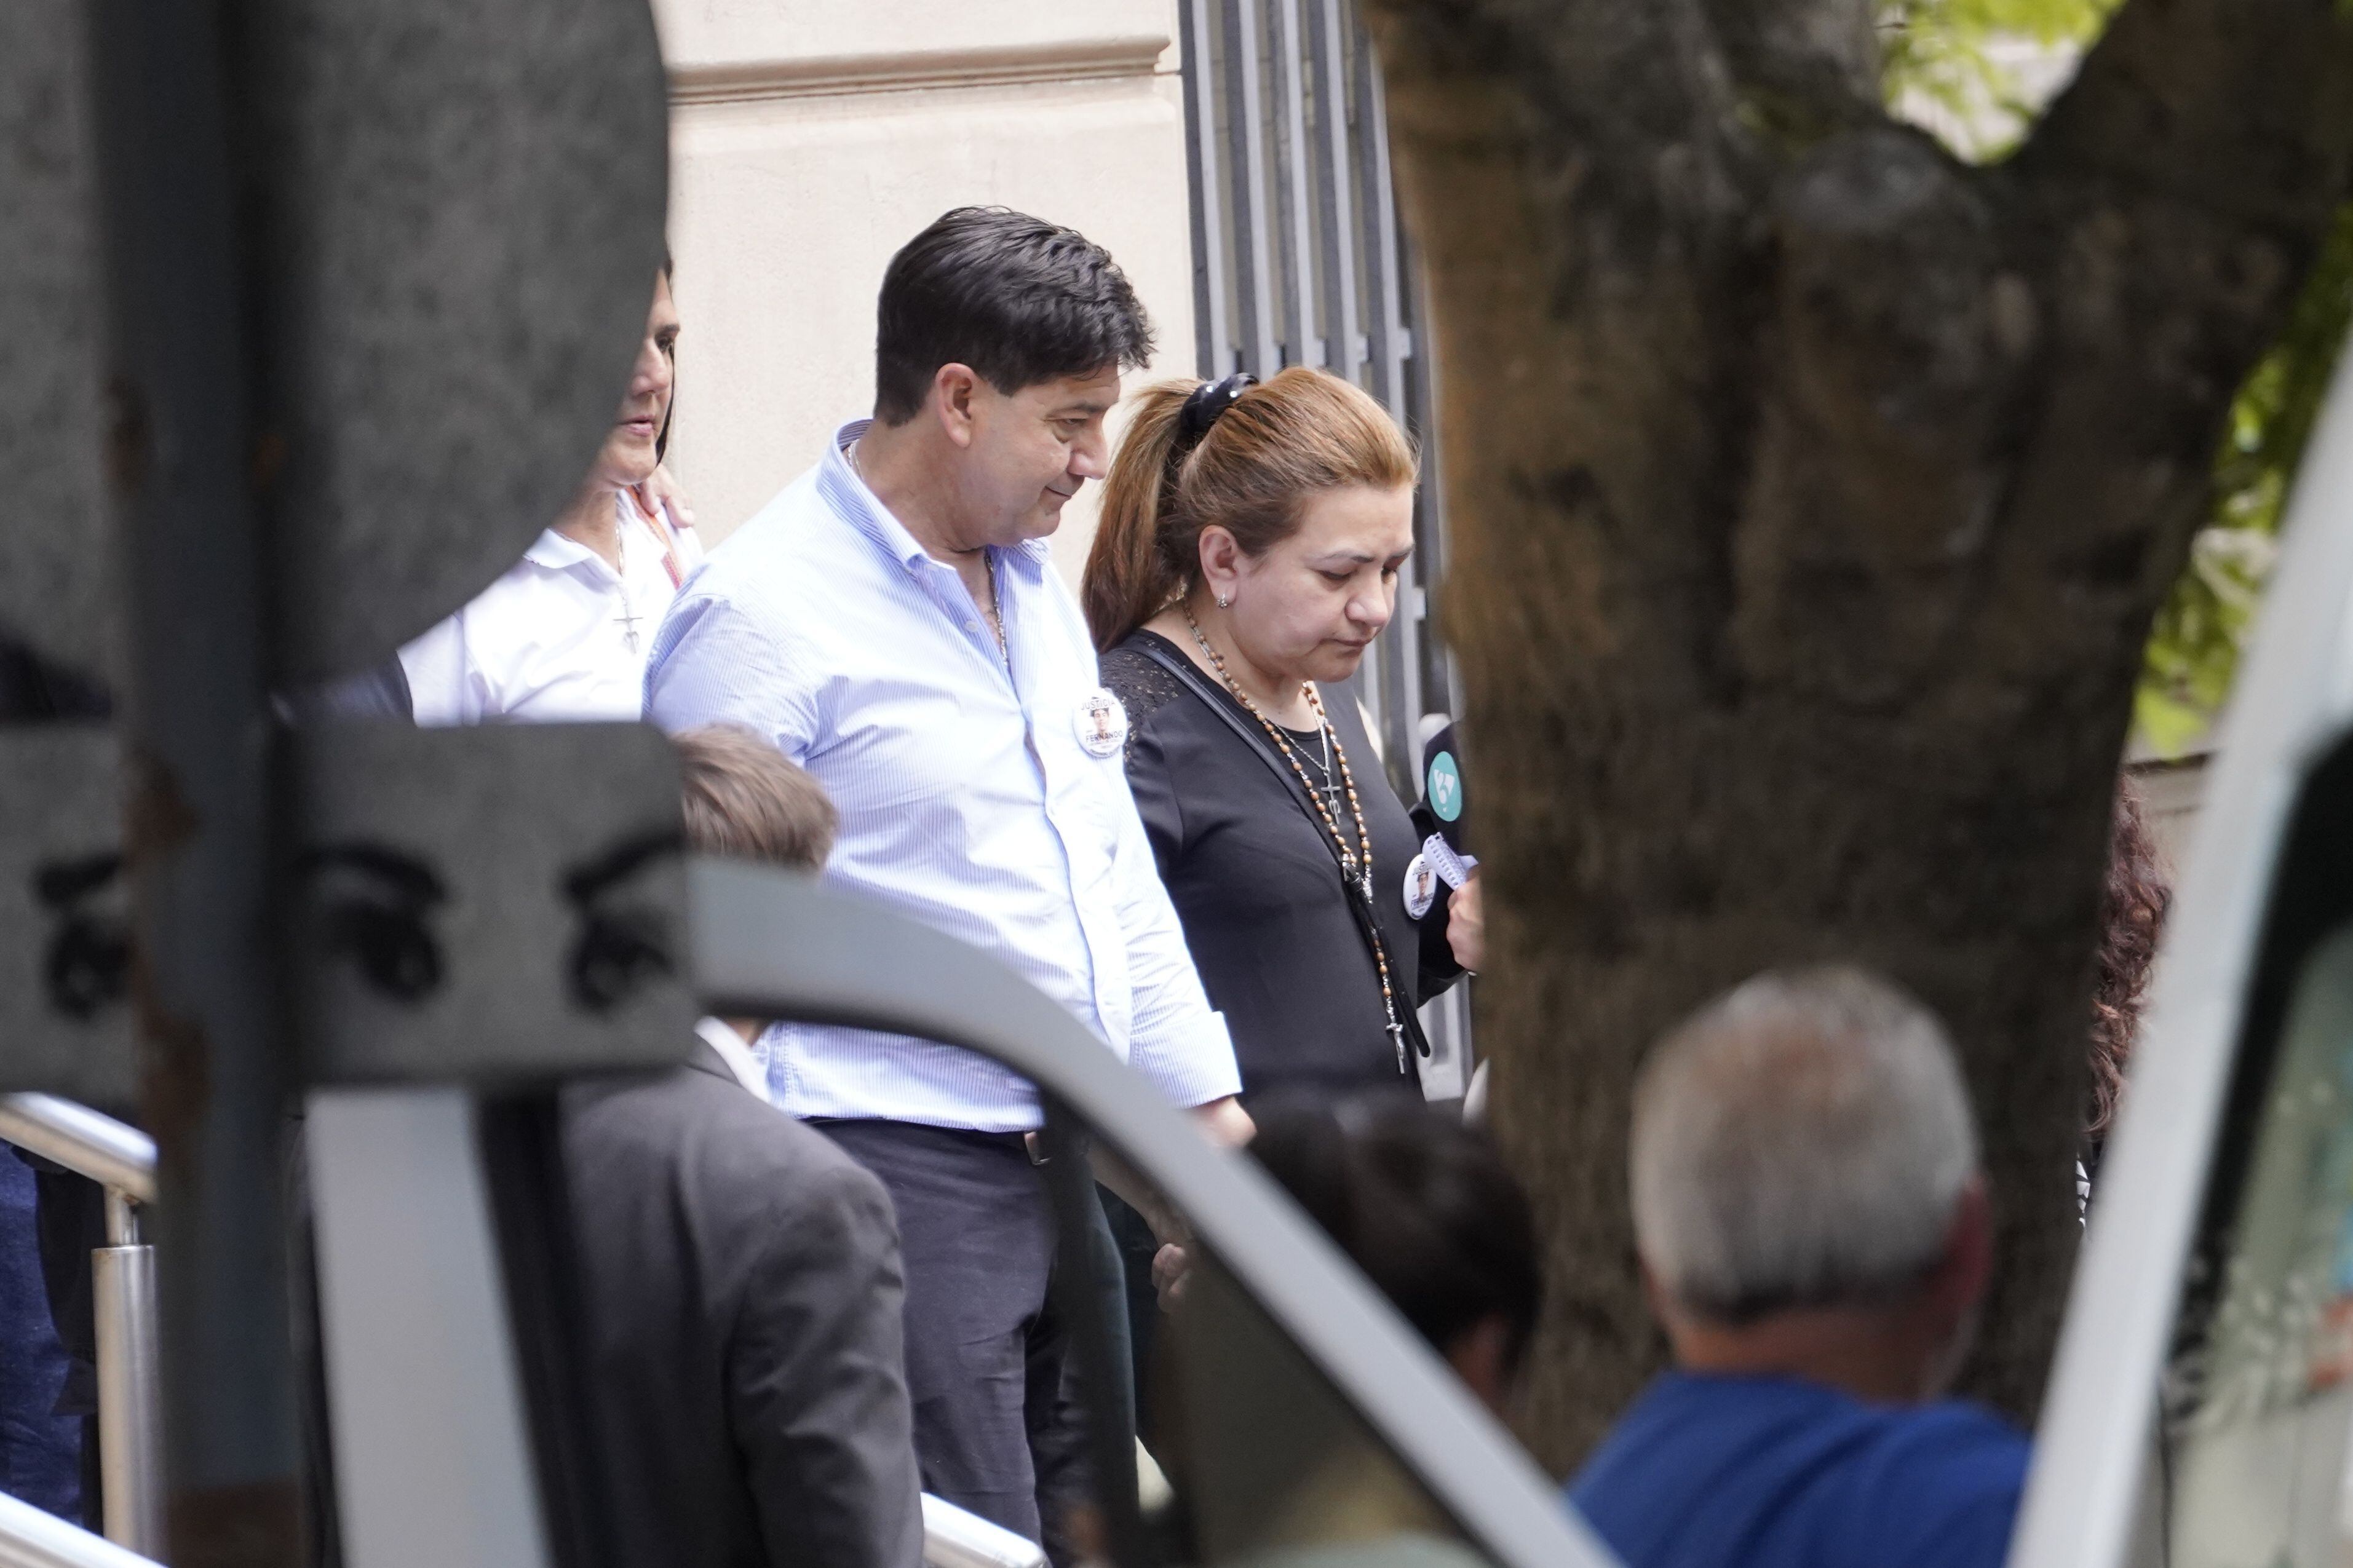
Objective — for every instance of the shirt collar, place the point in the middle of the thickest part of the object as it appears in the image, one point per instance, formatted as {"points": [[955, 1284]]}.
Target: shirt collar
{"points": [[731, 1050], [557, 554], [841, 485], [860, 506]]}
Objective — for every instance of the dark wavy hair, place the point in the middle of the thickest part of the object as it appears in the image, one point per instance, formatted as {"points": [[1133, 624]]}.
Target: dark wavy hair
{"points": [[2132, 916], [1017, 300], [1423, 1205]]}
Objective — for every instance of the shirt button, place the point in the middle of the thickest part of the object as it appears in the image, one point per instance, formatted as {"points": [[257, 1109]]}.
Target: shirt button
{"points": [[972, 626]]}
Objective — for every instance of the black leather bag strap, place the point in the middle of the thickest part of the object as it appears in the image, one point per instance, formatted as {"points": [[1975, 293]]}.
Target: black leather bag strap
{"points": [[1367, 922]]}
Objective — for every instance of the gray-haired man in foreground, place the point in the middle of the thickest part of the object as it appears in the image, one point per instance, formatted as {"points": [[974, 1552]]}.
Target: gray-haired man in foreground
{"points": [[1815, 1239]]}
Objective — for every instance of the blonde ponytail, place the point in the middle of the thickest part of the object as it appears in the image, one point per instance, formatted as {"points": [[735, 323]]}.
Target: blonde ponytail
{"points": [[1300, 432]]}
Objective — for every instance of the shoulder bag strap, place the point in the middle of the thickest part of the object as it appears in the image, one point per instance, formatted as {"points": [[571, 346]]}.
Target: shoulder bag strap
{"points": [[1367, 925]]}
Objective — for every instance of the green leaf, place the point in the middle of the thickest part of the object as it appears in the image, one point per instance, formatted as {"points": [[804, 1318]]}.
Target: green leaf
{"points": [[2194, 646], [1973, 71]]}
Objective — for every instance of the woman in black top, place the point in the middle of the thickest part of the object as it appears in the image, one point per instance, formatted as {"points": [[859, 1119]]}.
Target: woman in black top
{"points": [[1249, 550]]}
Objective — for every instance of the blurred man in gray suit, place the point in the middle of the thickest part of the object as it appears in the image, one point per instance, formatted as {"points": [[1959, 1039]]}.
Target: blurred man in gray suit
{"points": [[744, 1295]]}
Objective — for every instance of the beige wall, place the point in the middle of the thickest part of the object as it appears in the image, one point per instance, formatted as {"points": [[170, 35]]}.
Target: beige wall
{"points": [[811, 140]]}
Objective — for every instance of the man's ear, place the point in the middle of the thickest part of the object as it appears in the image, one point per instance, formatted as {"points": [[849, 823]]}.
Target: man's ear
{"points": [[952, 389], [1966, 1268], [1652, 1297], [1480, 1357]]}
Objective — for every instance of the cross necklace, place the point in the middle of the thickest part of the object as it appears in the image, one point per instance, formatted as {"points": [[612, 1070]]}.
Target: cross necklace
{"points": [[1331, 790], [629, 617]]}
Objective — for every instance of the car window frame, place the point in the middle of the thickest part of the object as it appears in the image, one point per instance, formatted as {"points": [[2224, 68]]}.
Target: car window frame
{"points": [[770, 944]]}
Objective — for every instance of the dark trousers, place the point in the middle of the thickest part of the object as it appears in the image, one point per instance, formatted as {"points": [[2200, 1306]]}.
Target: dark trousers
{"points": [[997, 1425]]}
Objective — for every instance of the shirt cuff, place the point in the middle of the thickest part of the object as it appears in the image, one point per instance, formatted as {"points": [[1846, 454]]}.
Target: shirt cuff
{"points": [[1192, 1063]]}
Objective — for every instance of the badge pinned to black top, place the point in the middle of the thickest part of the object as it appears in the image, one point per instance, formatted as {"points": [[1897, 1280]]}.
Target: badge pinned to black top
{"points": [[1443, 819]]}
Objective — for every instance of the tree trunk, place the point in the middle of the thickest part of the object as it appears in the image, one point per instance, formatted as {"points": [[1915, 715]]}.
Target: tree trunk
{"points": [[1811, 493]]}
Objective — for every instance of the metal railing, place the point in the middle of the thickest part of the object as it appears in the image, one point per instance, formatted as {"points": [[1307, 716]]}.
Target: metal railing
{"points": [[32, 1539], [121, 1159], [1298, 258]]}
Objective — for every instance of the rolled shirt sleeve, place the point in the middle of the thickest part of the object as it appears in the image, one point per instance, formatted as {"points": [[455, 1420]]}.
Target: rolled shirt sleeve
{"points": [[714, 663]]}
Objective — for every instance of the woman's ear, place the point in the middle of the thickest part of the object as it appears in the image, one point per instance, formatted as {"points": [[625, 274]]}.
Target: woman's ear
{"points": [[1222, 562]]}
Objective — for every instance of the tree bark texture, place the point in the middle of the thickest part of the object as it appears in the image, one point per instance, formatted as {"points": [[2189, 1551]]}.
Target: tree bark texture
{"points": [[1811, 493]]}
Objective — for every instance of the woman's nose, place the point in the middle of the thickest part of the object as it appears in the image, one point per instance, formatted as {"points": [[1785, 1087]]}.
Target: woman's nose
{"points": [[652, 374]]}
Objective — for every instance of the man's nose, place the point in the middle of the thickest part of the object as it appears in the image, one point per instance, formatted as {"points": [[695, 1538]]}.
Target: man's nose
{"points": [[1090, 457]]}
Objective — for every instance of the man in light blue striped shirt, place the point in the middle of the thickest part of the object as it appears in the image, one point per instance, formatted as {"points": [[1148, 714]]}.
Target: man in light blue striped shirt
{"points": [[892, 621]]}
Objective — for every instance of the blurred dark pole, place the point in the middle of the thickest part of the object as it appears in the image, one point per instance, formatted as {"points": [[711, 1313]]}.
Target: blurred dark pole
{"points": [[185, 463]]}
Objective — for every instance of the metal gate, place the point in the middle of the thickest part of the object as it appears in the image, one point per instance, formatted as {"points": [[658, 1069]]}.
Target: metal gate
{"points": [[1298, 259]]}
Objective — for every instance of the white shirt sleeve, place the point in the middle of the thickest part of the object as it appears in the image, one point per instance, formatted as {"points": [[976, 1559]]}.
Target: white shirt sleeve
{"points": [[445, 686], [714, 663]]}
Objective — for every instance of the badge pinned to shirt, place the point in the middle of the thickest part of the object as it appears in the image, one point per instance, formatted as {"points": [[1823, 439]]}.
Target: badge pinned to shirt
{"points": [[1438, 862], [1100, 723]]}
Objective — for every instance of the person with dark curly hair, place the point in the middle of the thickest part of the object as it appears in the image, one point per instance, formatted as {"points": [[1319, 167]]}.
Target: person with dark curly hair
{"points": [[2133, 914]]}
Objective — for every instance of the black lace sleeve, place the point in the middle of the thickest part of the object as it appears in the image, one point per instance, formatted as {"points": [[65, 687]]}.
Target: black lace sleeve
{"points": [[1141, 686]]}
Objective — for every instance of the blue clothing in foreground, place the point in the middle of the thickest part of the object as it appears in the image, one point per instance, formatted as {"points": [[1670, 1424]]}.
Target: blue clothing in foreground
{"points": [[40, 1451], [1773, 1473]]}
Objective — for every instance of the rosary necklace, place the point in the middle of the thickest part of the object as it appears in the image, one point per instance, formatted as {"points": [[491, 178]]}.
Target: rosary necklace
{"points": [[1357, 864]]}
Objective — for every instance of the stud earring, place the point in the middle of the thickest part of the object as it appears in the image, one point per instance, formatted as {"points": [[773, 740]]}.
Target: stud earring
{"points": [[1223, 600]]}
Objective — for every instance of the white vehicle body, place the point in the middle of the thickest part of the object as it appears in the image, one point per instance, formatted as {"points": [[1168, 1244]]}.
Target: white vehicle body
{"points": [[2291, 710]]}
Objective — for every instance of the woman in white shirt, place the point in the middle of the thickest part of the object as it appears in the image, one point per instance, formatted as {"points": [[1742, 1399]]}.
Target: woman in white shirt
{"points": [[563, 633]]}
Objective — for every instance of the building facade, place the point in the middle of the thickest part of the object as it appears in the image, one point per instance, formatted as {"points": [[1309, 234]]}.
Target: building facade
{"points": [[810, 139]]}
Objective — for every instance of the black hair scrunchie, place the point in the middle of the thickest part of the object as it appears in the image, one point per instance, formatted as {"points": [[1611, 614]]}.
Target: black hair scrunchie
{"points": [[1209, 400]]}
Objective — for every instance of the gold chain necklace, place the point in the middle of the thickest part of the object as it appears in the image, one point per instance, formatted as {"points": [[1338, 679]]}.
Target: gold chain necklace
{"points": [[995, 595], [1357, 864]]}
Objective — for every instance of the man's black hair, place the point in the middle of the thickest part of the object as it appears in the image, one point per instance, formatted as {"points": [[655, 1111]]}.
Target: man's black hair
{"points": [[1019, 299]]}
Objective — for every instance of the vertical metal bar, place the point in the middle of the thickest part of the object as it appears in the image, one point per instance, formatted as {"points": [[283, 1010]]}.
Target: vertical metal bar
{"points": [[1213, 329], [122, 1218], [1372, 690], [1412, 669], [1400, 691], [433, 1461], [1441, 688], [1246, 128], [183, 455], [1344, 350], [1384, 325], [130, 1383], [1388, 346], [519, 1139], [1300, 320]]}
